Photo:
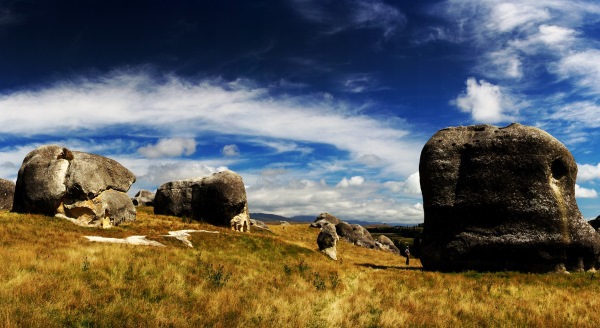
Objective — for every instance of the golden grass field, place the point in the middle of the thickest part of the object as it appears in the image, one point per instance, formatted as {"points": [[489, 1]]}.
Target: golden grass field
{"points": [[51, 276]]}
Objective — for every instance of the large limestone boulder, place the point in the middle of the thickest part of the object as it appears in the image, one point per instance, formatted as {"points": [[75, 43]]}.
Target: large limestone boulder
{"points": [[7, 193], [502, 199], [85, 187], [356, 234], [143, 198], [327, 240], [218, 199], [175, 198]]}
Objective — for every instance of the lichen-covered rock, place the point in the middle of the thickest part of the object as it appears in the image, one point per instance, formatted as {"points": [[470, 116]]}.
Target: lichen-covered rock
{"points": [[356, 234], [327, 240], [175, 198], [7, 193], [220, 198], [86, 187], [502, 199], [143, 198]]}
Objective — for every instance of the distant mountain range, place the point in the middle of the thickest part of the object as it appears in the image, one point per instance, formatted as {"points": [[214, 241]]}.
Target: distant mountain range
{"points": [[267, 217]]}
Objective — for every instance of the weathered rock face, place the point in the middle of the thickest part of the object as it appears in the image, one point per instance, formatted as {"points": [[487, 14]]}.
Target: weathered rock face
{"points": [[143, 198], [219, 199], [327, 240], [356, 234], [595, 223], [7, 193], [86, 187], [175, 198], [259, 225], [502, 199], [384, 243], [324, 217]]}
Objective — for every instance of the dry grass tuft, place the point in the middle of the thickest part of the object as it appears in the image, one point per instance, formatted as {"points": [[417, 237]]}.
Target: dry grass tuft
{"points": [[51, 276]]}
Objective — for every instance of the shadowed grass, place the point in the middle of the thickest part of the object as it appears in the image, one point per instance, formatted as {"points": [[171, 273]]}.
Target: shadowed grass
{"points": [[51, 276]]}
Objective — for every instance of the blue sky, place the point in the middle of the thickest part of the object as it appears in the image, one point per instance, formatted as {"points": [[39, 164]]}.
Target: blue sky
{"points": [[319, 105]]}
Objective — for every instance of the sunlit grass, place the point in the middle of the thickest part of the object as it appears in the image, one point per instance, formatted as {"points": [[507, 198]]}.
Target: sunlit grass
{"points": [[51, 276]]}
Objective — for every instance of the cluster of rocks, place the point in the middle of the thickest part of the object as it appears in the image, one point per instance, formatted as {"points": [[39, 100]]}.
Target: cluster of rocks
{"points": [[218, 199], [332, 229], [502, 199], [89, 189]]}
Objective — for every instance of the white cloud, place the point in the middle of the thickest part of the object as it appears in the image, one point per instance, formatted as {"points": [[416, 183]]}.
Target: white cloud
{"points": [[307, 197], [370, 160], [230, 150], [169, 147], [581, 67], [354, 181], [485, 102], [584, 113], [176, 106], [506, 63], [588, 172], [556, 35], [411, 186], [282, 146], [156, 174], [506, 16], [581, 192]]}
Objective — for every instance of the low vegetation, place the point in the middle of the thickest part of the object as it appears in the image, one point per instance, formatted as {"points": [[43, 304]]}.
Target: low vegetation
{"points": [[51, 276]]}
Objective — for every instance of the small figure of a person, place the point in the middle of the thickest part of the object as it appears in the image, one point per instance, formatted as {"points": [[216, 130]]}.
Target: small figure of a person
{"points": [[407, 252]]}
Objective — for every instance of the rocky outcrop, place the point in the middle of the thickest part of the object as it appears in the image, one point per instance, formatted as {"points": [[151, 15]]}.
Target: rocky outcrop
{"points": [[356, 234], [88, 188], [259, 225], [7, 193], [502, 199], [143, 198], [324, 218], [386, 244], [327, 240], [175, 198], [218, 199]]}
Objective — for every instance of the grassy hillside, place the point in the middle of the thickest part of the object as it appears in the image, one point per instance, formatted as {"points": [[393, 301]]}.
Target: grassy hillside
{"points": [[50, 276]]}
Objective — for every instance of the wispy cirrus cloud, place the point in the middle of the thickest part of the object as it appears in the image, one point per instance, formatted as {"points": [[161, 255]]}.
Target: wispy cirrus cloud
{"points": [[346, 15], [173, 106], [521, 48]]}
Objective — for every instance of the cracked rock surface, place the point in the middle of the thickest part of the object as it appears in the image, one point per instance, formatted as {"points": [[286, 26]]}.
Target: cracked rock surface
{"points": [[86, 187], [502, 199]]}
